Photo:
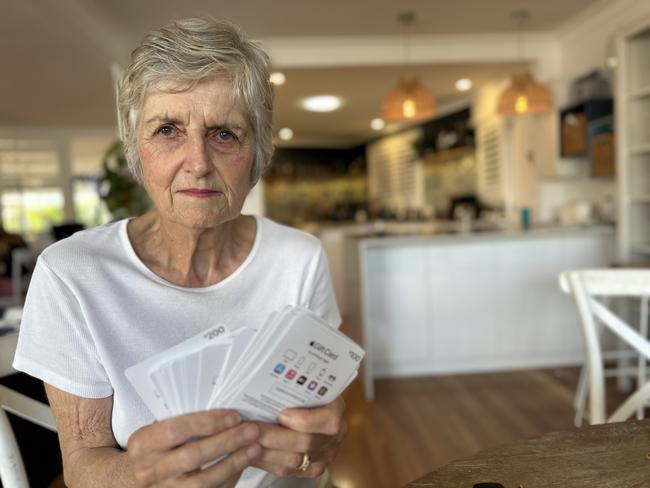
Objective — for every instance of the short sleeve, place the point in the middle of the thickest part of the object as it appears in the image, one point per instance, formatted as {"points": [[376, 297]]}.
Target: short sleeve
{"points": [[54, 341], [321, 297]]}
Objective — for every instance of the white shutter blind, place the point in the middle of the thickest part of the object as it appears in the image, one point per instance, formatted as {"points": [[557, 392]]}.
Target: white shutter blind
{"points": [[489, 167], [395, 173]]}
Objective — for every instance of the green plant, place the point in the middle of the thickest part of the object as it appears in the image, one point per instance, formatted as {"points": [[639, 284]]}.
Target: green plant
{"points": [[123, 195]]}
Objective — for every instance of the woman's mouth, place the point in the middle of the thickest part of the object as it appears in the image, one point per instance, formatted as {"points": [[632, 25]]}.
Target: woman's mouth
{"points": [[199, 193]]}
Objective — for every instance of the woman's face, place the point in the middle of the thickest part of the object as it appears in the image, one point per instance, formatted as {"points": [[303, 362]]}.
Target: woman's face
{"points": [[196, 151]]}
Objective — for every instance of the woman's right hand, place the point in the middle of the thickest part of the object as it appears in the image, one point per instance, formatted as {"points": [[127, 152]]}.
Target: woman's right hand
{"points": [[171, 452]]}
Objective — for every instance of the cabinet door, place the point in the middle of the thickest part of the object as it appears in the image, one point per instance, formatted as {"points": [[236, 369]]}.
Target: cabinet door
{"points": [[462, 300], [397, 304]]}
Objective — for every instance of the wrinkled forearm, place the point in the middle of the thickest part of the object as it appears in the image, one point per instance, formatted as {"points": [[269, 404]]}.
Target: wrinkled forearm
{"points": [[99, 467]]}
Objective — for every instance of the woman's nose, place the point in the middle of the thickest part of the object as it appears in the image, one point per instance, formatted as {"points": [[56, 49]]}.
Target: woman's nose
{"points": [[197, 158]]}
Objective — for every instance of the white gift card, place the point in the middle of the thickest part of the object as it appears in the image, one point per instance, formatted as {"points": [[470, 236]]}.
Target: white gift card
{"points": [[304, 364], [294, 360], [156, 396]]}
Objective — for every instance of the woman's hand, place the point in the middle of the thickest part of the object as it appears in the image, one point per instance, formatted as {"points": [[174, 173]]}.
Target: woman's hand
{"points": [[317, 432], [171, 452]]}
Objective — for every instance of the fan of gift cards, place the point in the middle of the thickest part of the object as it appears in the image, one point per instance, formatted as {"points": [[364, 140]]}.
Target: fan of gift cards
{"points": [[295, 360]]}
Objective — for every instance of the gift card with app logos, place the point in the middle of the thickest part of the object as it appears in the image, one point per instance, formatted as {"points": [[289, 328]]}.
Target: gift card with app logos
{"points": [[294, 360]]}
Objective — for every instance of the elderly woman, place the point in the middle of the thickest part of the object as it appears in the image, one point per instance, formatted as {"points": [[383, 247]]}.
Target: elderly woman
{"points": [[195, 116]]}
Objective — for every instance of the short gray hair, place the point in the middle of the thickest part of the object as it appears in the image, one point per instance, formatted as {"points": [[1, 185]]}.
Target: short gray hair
{"points": [[188, 51]]}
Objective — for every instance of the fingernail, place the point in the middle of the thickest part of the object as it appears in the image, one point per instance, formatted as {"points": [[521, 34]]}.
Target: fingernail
{"points": [[250, 432], [283, 418], [232, 419]]}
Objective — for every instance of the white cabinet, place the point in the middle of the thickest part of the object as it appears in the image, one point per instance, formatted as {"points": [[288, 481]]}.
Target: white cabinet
{"points": [[633, 152], [475, 303]]}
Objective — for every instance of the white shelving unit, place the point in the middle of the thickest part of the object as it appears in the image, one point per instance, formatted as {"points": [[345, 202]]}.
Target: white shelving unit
{"points": [[633, 145]]}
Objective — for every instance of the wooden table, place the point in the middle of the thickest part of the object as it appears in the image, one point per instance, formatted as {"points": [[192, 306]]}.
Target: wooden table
{"points": [[603, 456]]}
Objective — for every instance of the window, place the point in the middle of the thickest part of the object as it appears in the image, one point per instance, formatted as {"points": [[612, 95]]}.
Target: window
{"points": [[86, 154], [31, 194], [89, 209], [51, 181], [31, 212]]}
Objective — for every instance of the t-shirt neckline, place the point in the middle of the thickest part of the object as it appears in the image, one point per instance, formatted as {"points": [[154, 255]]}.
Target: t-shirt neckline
{"points": [[133, 256]]}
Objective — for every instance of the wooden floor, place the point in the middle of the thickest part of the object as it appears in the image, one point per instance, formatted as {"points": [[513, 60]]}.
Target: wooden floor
{"points": [[416, 425]]}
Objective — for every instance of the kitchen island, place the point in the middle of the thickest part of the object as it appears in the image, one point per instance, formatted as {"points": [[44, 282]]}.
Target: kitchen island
{"points": [[460, 303]]}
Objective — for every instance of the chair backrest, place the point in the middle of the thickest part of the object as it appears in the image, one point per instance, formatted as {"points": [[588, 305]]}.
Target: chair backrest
{"points": [[587, 286], [12, 469]]}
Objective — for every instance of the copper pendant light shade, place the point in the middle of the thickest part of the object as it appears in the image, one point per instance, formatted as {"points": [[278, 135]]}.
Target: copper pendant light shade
{"points": [[524, 96], [409, 100]]}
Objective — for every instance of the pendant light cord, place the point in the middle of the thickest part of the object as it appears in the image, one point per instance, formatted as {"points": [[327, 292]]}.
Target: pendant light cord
{"points": [[406, 20], [520, 16]]}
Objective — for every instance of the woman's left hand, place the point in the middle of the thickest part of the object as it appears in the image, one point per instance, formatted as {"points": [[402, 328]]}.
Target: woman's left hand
{"points": [[317, 432]]}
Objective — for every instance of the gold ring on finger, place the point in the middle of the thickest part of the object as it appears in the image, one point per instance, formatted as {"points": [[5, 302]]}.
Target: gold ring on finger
{"points": [[305, 463]]}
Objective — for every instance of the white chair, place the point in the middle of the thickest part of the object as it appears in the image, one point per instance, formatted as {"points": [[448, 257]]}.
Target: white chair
{"points": [[589, 288], [12, 469]]}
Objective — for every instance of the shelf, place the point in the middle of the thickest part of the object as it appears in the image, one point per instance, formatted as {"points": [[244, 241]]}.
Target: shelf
{"points": [[639, 149], [604, 120], [633, 91], [449, 154], [581, 122], [640, 93]]}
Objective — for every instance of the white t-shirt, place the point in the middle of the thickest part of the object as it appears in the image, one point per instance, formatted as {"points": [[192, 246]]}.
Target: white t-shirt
{"points": [[93, 309]]}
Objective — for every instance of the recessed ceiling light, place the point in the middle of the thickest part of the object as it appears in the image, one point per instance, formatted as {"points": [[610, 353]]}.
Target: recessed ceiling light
{"points": [[285, 134], [463, 84], [377, 124], [321, 103], [277, 78]]}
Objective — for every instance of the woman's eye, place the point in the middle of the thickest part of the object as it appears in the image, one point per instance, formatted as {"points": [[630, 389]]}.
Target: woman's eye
{"points": [[225, 135], [166, 130]]}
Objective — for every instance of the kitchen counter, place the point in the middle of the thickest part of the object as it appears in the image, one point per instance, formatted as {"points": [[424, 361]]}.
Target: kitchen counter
{"points": [[373, 239], [459, 303]]}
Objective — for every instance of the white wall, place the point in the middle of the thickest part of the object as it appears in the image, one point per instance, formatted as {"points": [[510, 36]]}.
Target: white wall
{"points": [[589, 39], [558, 195]]}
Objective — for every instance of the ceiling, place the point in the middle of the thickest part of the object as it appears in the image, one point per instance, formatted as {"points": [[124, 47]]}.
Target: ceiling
{"points": [[55, 54]]}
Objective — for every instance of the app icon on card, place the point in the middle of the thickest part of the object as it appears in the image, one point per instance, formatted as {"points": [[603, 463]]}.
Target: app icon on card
{"points": [[291, 374], [301, 380], [332, 378], [312, 385], [279, 368], [322, 390]]}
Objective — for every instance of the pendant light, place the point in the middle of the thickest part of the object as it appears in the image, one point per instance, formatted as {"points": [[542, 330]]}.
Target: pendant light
{"points": [[524, 95], [409, 100]]}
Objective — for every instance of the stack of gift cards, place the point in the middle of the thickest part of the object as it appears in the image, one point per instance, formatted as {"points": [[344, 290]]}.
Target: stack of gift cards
{"points": [[295, 360]]}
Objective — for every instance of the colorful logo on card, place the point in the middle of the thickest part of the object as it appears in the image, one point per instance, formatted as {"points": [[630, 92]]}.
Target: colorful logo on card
{"points": [[291, 374], [312, 385], [279, 368], [322, 390], [301, 380]]}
